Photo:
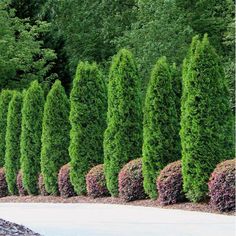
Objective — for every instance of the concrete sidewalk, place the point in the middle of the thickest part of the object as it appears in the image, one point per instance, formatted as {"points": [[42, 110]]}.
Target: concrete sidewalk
{"points": [[115, 220]]}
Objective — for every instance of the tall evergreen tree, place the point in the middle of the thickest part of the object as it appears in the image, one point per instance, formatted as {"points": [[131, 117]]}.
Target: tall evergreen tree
{"points": [[30, 145], [5, 99], [88, 122], [176, 82], [12, 156], [55, 136], [206, 118], [123, 136], [161, 144]]}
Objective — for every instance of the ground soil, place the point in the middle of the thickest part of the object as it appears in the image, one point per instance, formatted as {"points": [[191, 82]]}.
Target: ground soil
{"points": [[203, 207]]}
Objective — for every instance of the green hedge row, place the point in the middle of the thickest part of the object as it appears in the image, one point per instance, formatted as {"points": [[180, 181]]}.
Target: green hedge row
{"points": [[110, 125]]}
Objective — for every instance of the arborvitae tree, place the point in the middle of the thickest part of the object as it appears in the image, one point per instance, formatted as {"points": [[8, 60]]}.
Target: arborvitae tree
{"points": [[160, 127], [123, 136], [12, 157], [30, 145], [5, 99], [55, 136], [206, 118], [88, 122]]}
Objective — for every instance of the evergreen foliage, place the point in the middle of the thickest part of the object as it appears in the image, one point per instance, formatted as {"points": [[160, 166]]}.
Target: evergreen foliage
{"points": [[12, 156], [88, 122], [5, 99], [30, 144], [176, 82], [55, 136], [160, 126], [123, 136], [206, 118]]}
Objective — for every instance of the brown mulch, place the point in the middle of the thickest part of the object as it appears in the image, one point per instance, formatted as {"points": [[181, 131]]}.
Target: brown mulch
{"points": [[11, 229], [202, 207]]}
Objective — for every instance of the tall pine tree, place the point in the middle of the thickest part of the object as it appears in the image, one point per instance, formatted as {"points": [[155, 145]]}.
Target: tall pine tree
{"points": [[12, 156], [30, 145], [55, 136], [123, 136], [161, 144], [5, 99], [206, 118], [88, 122]]}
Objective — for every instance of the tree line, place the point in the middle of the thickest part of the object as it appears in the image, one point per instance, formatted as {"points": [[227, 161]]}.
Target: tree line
{"points": [[46, 39]]}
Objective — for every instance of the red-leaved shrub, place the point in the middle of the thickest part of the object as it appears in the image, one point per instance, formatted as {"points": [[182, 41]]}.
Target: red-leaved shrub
{"points": [[41, 186], [170, 184], [222, 186], [131, 181], [96, 182], [22, 191], [3, 184], [64, 184]]}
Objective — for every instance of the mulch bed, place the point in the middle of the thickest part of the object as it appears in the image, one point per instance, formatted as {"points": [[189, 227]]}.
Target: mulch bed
{"points": [[11, 229], [202, 207]]}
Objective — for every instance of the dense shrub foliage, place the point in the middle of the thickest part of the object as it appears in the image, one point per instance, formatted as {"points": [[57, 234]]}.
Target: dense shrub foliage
{"points": [[96, 182], [88, 121], [65, 187], [170, 184], [3, 183], [55, 136], [21, 190], [12, 155], [23, 55], [161, 144], [123, 136], [222, 186], [206, 119], [41, 186], [176, 84], [5, 98], [131, 181], [30, 145]]}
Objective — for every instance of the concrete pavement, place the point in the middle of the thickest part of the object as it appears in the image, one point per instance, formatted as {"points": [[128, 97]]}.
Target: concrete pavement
{"points": [[82, 219]]}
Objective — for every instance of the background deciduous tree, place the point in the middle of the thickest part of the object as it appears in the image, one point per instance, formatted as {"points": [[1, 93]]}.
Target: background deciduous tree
{"points": [[22, 57]]}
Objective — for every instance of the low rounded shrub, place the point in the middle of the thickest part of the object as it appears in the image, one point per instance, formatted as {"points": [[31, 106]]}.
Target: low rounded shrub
{"points": [[131, 181], [41, 186], [170, 184], [21, 190], [222, 186], [3, 183], [96, 182], [64, 184]]}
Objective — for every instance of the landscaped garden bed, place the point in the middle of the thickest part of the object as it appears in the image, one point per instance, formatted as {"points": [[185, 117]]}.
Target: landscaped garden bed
{"points": [[203, 207]]}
